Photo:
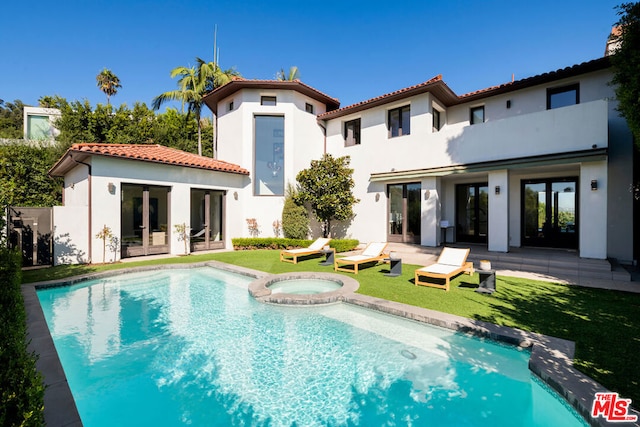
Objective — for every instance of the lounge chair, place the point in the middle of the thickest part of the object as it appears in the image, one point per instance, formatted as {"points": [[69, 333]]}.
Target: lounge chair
{"points": [[372, 253], [312, 249], [450, 263]]}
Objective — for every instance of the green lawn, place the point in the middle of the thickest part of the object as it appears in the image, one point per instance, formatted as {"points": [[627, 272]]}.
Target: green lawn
{"points": [[604, 324]]}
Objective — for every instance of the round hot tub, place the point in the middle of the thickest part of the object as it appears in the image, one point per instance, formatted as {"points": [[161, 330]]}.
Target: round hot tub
{"points": [[303, 288]]}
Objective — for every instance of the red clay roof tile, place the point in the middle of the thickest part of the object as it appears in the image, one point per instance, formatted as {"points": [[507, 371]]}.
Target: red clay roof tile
{"points": [[155, 153]]}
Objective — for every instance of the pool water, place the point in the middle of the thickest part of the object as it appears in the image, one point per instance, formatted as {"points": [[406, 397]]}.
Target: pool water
{"points": [[304, 286], [191, 347]]}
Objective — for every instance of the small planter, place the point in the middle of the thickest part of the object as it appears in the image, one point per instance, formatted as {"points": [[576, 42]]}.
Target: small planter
{"points": [[485, 265]]}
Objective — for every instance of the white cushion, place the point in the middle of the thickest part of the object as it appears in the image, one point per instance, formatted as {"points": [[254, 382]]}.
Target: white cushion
{"points": [[319, 244], [439, 269], [374, 250], [453, 256]]}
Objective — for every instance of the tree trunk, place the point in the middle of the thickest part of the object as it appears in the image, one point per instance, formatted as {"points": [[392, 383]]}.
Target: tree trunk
{"points": [[199, 137]]}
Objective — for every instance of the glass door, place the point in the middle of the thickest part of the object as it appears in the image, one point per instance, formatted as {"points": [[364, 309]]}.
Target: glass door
{"points": [[549, 213], [404, 213], [144, 219], [472, 212], [206, 219]]}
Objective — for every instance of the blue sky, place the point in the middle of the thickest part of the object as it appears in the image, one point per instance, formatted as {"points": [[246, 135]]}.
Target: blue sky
{"points": [[350, 50]]}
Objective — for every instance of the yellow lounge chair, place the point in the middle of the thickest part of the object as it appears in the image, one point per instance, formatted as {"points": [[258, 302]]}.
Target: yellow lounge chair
{"points": [[373, 252], [314, 248], [450, 263]]}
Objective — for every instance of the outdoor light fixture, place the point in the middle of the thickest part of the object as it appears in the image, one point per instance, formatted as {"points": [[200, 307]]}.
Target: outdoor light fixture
{"points": [[427, 194], [497, 189], [377, 196], [112, 188], [235, 195], [594, 184]]}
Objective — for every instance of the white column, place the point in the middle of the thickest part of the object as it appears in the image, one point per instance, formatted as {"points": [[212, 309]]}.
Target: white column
{"points": [[431, 211], [593, 210], [498, 235]]}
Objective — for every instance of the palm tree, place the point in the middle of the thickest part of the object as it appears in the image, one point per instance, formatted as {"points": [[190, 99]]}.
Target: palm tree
{"points": [[193, 84], [293, 75], [108, 82]]}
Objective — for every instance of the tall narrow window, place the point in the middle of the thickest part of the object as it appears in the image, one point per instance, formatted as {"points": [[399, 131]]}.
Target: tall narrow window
{"points": [[269, 156], [477, 115], [563, 96], [399, 121], [268, 100], [352, 132], [436, 120]]}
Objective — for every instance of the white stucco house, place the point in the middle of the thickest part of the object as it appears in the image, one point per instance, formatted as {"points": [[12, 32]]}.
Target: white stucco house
{"points": [[543, 161], [39, 123]]}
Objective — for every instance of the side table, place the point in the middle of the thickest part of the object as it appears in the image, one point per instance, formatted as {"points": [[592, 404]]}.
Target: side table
{"points": [[329, 256], [487, 281], [395, 267]]}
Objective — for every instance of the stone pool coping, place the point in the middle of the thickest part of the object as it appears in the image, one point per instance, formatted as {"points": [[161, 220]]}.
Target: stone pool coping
{"points": [[551, 358]]}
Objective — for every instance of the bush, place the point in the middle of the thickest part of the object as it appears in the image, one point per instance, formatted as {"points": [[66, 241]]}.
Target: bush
{"points": [[21, 386], [295, 219], [249, 243]]}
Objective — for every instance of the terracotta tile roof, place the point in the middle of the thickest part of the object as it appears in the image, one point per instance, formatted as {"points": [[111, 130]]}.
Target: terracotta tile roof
{"points": [[212, 98], [445, 95], [147, 153], [435, 85]]}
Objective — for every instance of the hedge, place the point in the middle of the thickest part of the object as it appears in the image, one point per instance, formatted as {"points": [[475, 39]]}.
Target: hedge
{"points": [[21, 385], [248, 243]]}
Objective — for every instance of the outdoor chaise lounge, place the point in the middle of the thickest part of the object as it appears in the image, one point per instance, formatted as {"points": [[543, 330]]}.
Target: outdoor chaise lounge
{"points": [[450, 263], [372, 253], [314, 248]]}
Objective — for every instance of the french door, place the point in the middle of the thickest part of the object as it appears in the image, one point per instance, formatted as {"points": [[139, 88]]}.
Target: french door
{"points": [[144, 220], [206, 219], [549, 214], [404, 213], [472, 212]]}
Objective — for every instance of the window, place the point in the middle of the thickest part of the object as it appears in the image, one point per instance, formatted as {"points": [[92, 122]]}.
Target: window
{"points": [[563, 96], [269, 156], [268, 100], [308, 108], [230, 107], [399, 121], [436, 120], [477, 115], [352, 132]]}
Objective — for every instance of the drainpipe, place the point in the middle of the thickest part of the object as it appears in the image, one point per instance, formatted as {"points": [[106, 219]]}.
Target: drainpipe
{"points": [[324, 134], [89, 202]]}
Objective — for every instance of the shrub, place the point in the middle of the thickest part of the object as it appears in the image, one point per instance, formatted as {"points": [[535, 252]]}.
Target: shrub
{"points": [[295, 219], [21, 386], [244, 243]]}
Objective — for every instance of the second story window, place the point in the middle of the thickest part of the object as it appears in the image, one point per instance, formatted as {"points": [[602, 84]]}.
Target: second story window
{"points": [[563, 96], [230, 106], [399, 121], [268, 100], [309, 108], [476, 115], [437, 124], [352, 132]]}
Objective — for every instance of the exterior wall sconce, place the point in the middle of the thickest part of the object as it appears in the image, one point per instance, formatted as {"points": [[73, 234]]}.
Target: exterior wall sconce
{"points": [[594, 184], [112, 188], [497, 189], [377, 196], [235, 195], [427, 194]]}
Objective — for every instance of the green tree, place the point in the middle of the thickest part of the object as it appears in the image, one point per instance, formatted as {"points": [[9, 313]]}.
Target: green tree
{"points": [[328, 188], [626, 66], [295, 219], [108, 83], [293, 75], [55, 101], [11, 116], [193, 84]]}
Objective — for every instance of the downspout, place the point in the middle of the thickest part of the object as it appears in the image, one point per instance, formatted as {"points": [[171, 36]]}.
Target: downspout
{"points": [[89, 202], [324, 134]]}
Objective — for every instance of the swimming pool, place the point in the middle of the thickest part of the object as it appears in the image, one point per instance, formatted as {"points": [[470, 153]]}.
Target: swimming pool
{"points": [[191, 347]]}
